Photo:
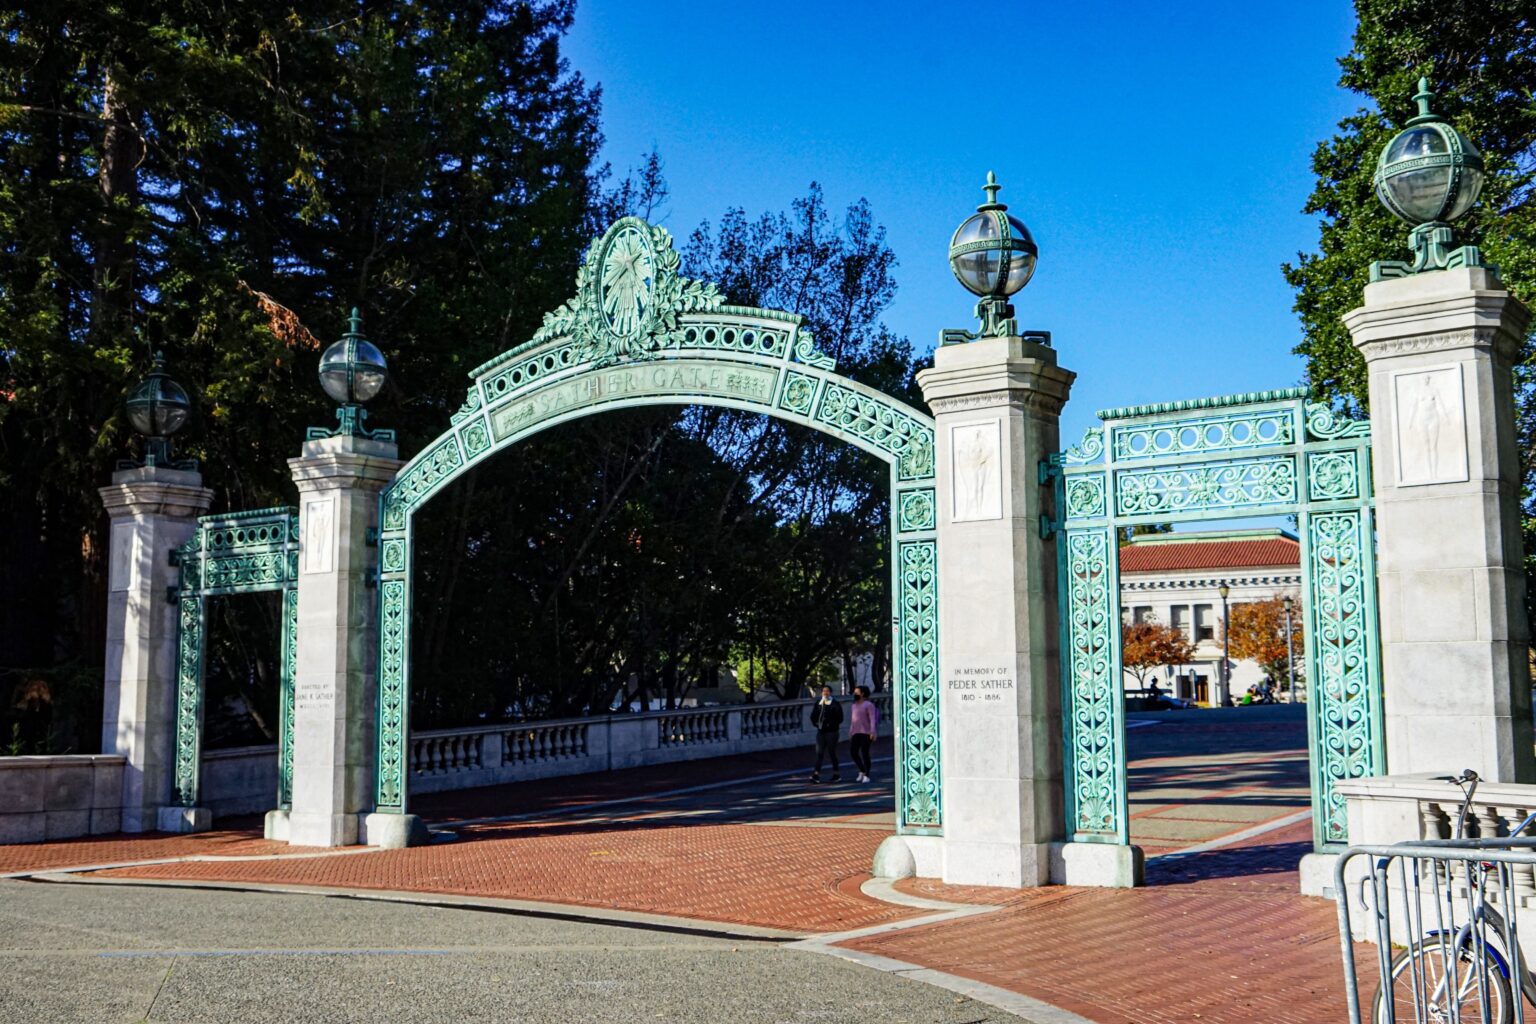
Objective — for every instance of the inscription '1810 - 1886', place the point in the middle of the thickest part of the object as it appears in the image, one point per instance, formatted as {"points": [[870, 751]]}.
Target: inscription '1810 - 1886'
{"points": [[681, 378]]}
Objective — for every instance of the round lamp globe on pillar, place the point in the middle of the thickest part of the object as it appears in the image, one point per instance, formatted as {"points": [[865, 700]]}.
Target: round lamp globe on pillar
{"points": [[352, 372], [1429, 175], [158, 408], [993, 255]]}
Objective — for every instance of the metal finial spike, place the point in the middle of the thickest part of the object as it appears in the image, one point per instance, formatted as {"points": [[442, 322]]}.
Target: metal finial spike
{"points": [[1423, 96], [355, 322], [991, 188], [159, 359]]}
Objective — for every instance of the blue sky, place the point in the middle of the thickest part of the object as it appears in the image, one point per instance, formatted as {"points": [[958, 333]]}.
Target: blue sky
{"points": [[1158, 153]]}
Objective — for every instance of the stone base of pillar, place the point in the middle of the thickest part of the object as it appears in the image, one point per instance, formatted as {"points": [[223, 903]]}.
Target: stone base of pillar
{"points": [[1317, 874], [185, 819], [322, 829], [393, 831], [276, 826], [1105, 865], [1013, 865]]}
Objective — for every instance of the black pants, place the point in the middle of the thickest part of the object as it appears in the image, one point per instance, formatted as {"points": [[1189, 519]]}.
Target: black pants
{"points": [[826, 747], [858, 749]]}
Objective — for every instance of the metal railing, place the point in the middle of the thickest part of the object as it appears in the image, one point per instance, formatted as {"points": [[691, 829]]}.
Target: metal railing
{"points": [[1444, 915]]}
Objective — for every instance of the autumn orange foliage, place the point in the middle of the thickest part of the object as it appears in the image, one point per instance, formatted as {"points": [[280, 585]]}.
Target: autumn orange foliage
{"points": [[1150, 644]]}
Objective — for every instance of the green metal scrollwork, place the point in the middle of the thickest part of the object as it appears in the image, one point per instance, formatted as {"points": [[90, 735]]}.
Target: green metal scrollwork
{"points": [[233, 553], [637, 334], [1267, 452]]}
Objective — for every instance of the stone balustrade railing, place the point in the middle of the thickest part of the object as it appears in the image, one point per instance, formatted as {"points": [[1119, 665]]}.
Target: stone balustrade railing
{"points": [[56, 797], [1404, 808], [446, 759]]}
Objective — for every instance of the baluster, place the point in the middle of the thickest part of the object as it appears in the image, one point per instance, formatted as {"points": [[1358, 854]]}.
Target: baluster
{"points": [[582, 733], [1436, 823]]}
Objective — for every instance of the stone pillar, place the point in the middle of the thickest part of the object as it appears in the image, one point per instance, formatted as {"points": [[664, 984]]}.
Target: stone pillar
{"points": [[334, 731], [153, 511], [997, 402], [1439, 347]]}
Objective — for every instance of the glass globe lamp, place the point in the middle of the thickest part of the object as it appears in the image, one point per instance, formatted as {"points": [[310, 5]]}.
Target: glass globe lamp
{"points": [[1430, 172], [993, 255], [352, 372], [1429, 175], [158, 408]]}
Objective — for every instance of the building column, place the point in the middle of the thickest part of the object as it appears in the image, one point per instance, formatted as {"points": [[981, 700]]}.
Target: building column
{"points": [[1440, 347], [339, 480], [153, 511], [996, 403]]}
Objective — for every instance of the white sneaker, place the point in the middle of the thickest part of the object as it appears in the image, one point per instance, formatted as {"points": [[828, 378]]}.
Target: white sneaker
{"points": [[863, 777]]}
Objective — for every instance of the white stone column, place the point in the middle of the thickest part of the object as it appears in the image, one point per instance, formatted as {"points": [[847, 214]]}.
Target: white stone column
{"points": [[1439, 347], [153, 510], [339, 480], [997, 402]]}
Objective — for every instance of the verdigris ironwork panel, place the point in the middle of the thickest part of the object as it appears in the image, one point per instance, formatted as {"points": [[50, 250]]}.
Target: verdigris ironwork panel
{"points": [[233, 553], [917, 695], [1334, 476], [189, 698], [288, 676], [393, 698], [1228, 485], [1094, 704], [1267, 452], [1224, 432], [1343, 663], [917, 510]]}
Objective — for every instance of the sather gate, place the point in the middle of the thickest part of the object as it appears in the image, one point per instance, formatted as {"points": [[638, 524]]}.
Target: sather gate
{"points": [[637, 334], [1269, 453]]}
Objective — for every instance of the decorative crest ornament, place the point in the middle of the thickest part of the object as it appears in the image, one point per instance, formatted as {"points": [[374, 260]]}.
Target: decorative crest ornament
{"points": [[629, 296]]}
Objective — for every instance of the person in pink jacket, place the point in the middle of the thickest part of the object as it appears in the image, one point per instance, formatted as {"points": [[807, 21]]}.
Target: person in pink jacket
{"points": [[863, 719]]}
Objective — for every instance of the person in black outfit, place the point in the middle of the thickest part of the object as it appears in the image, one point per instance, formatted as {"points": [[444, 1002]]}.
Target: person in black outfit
{"points": [[827, 717]]}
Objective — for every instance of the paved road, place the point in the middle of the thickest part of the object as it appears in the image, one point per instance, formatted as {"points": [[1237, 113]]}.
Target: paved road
{"points": [[105, 954]]}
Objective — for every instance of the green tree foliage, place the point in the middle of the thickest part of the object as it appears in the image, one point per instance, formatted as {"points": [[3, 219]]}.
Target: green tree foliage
{"points": [[1480, 59], [210, 179]]}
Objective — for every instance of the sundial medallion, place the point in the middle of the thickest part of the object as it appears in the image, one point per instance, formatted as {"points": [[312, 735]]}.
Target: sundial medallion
{"points": [[626, 281]]}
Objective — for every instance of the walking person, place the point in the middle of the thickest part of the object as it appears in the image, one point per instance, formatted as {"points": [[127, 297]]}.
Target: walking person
{"points": [[863, 720], [827, 717]]}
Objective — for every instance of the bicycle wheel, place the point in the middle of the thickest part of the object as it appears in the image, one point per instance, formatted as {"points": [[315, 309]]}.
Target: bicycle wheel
{"points": [[1421, 993]]}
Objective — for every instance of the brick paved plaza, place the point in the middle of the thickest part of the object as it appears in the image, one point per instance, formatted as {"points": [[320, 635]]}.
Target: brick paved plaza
{"points": [[748, 847]]}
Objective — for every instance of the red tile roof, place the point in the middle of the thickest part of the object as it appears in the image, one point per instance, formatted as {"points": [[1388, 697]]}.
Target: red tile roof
{"points": [[1210, 554]]}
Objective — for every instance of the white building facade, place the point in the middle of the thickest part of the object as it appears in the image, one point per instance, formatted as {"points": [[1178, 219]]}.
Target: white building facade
{"points": [[1176, 579]]}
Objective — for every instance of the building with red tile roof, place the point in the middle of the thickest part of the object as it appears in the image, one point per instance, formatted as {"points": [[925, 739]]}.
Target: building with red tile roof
{"points": [[1175, 578]]}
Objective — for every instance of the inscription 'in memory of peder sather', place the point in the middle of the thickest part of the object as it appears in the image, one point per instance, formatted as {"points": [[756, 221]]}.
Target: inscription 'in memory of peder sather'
{"points": [[671, 377], [980, 685]]}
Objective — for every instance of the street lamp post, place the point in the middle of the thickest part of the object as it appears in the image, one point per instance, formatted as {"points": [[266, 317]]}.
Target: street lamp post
{"points": [[1290, 655], [1226, 643]]}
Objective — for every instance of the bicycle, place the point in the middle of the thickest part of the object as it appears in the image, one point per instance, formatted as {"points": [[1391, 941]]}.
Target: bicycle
{"points": [[1474, 959]]}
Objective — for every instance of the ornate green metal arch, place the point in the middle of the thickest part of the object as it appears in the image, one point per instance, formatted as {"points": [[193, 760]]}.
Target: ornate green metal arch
{"points": [[1260, 454], [235, 553], [638, 334]]}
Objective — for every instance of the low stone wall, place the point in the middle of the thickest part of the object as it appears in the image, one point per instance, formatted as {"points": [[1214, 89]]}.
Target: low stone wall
{"points": [[240, 780], [59, 796]]}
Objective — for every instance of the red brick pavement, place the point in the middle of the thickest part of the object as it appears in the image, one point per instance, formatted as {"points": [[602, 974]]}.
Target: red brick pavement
{"points": [[119, 848], [1219, 937], [786, 877]]}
